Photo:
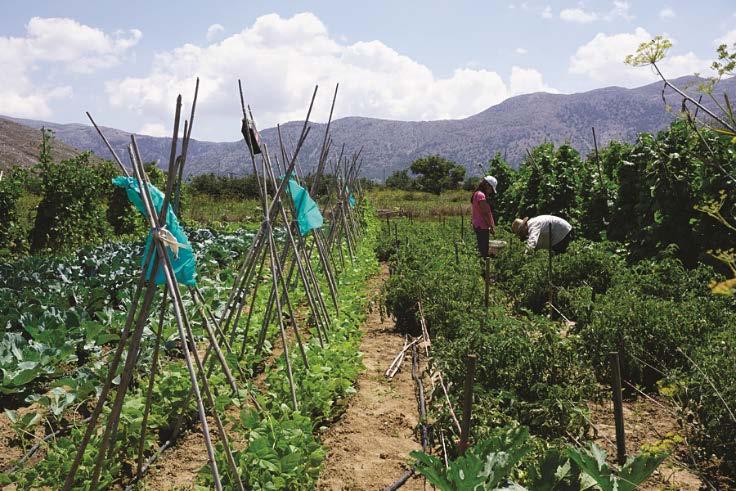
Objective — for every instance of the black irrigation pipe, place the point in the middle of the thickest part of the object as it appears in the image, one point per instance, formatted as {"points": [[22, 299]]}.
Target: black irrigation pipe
{"points": [[149, 462], [35, 447], [401, 481]]}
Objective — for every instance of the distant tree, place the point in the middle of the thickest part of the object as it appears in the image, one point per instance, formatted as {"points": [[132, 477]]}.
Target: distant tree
{"points": [[471, 183], [217, 186], [437, 174], [400, 179]]}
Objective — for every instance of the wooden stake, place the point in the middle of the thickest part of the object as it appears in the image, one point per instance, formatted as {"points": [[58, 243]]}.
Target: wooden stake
{"points": [[487, 278], [618, 407], [467, 402], [549, 266]]}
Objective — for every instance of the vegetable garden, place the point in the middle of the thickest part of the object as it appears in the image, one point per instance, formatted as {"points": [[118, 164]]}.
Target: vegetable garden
{"points": [[112, 351], [265, 367], [538, 369]]}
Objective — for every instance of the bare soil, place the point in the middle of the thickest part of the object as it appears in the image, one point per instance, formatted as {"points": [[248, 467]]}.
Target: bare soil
{"points": [[369, 446], [178, 467], [647, 422], [10, 450]]}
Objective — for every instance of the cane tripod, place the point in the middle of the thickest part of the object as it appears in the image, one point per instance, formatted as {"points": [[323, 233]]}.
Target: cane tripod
{"points": [[156, 258]]}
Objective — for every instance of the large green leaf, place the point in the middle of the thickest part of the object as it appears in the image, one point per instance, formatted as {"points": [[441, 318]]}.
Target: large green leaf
{"points": [[637, 469]]}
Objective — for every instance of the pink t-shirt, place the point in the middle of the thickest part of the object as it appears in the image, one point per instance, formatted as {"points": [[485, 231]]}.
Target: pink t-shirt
{"points": [[481, 218]]}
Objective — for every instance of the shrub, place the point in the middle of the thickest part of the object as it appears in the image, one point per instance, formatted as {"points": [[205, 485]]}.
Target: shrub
{"points": [[10, 191], [709, 396], [71, 210], [122, 215], [524, 274]]}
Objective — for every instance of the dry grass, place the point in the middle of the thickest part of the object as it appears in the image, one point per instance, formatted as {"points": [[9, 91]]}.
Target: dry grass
{"points": [[419, 204]]}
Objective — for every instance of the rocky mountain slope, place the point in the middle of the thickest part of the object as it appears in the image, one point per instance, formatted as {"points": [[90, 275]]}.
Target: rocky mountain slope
{"points": [[510, 128], [20, 144]]}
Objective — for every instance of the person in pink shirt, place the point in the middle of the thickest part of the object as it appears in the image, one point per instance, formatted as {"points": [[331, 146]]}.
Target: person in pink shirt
{"points": [[483, 222]]}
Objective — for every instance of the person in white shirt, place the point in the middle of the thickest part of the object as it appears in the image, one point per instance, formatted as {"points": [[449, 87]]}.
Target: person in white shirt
{"points": [[543, 232]]}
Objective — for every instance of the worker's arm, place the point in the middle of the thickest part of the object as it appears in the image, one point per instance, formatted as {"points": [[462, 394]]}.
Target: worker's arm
{"points": [[533, 238]]}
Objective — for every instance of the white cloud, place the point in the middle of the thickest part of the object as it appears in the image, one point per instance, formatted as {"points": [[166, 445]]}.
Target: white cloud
{"points": [[214, 31], [81, 48], [282, 58], [728, 39], [602, 60], [621, 9], [521, 51], [527, 80], [75, 47], [578, 15], [666, 13], [154, 129], [547, 12]]}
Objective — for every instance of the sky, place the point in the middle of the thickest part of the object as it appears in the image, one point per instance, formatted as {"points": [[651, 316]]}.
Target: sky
{"points": [[126, 62]]}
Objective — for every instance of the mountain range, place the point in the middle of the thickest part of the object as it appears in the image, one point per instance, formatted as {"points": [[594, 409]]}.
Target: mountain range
{"points": [[511, 127]]}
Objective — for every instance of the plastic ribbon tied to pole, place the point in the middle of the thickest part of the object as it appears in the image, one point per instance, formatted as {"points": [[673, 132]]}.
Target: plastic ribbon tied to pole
{"points": [[308, 215], [171, 234]]}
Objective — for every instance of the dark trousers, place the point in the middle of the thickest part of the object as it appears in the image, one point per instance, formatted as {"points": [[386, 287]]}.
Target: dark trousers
{"points": [[561, 246], [482, 235]]}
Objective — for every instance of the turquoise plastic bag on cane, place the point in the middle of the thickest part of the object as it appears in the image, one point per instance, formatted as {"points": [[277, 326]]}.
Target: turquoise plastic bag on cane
{"points": [[351, 198], [184, 263], [308, 215]]}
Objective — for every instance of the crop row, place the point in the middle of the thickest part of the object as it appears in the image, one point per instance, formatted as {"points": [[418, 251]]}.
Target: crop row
{"points": [[330, 376], [540, 373]]}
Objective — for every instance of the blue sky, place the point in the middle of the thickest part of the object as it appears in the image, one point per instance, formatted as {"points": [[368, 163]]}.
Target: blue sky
{"points": [[126, 61]]}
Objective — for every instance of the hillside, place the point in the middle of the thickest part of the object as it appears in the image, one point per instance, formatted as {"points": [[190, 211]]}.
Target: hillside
{"points": [[19, 145], [510, 127]]}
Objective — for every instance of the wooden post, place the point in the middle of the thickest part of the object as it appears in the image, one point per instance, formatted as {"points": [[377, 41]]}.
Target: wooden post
{"points": [[549, 266], [467, 403], [462, 227], [618, 408], [486, 277], [598, 160]]}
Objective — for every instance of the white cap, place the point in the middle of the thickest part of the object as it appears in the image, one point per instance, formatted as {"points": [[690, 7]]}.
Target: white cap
{"points": [[491, 181]]}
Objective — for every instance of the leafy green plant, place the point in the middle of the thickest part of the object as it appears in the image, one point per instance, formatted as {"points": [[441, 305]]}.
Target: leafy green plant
{"points": [[281, 450], [635, 471], [492, 464], [10, 191], [486, 465], [71, 213], [24, 425]]}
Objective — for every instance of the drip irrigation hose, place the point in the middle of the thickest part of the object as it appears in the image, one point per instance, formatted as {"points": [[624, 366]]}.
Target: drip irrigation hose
{"points": [[35, 447]]}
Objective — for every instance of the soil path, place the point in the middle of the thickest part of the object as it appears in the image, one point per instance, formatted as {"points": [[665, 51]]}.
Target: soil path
{"points": [[369, 446]]}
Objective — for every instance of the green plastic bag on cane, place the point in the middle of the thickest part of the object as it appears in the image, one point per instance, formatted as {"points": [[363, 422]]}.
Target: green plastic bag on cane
{"points": [[351, 198], [179, 249], [308, 215]]}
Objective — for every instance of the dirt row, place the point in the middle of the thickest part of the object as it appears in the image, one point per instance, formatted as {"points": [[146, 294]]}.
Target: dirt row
{"points": [[369, 446]]}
